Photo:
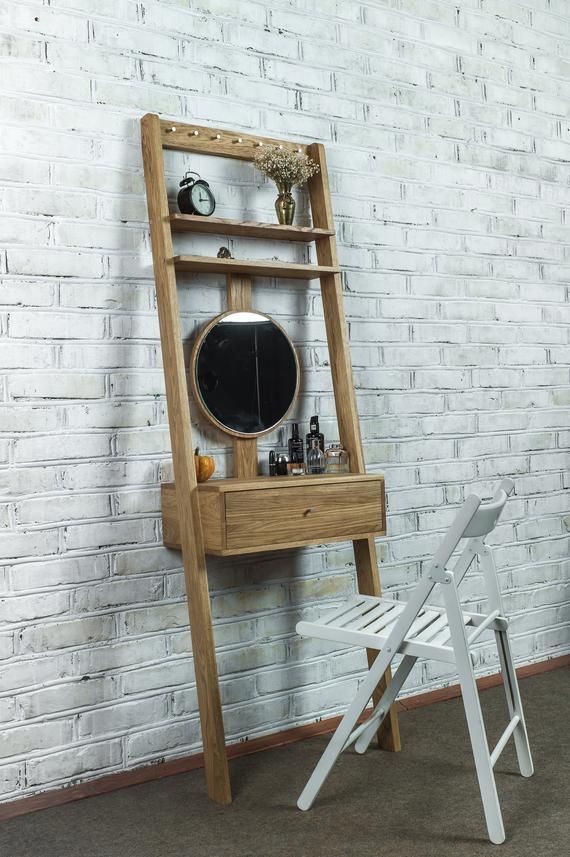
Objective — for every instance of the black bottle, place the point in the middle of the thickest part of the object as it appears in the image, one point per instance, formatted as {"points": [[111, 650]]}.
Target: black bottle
{"points": [[314, 432], [295, 444]]}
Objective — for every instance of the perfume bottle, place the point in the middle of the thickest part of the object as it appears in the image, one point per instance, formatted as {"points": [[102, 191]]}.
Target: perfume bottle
{"points": [[314, 432], [337, 459], [315, 458], [296, 456], [272, 463]]}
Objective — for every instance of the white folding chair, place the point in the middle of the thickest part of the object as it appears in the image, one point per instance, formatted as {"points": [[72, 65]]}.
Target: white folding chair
{"points": [[416, 630]]}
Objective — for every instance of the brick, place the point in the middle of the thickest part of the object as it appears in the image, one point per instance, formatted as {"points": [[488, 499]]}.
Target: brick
{"points": [[65, 634], [67, 696], [61, 326], [57, 386], [121, 718], [26, 738], [169, 736], [56, 263], [73, 763], [42, 573]]}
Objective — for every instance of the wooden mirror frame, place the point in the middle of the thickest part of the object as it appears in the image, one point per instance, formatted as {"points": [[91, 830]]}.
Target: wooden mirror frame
{"points": [[194, 384]]}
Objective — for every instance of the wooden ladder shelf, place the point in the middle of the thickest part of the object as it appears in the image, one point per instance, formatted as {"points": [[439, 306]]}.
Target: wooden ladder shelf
{"points": [[185, 505]]}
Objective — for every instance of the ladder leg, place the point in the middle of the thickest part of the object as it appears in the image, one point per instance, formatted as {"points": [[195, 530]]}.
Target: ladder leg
{"points": [[474, 716], [336, 744], [514, 703], [388, 699], [195, 572], [369, 584]]}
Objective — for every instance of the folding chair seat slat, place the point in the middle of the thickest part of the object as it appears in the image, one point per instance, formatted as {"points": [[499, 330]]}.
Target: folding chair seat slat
{"points": [[352, 607], [432, 629], [388, 618], [444, 635], [363, 618], [380, 610], [424, 619]]}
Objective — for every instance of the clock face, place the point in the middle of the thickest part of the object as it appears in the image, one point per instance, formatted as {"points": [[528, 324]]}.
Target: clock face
{"points": [[202, 199]]}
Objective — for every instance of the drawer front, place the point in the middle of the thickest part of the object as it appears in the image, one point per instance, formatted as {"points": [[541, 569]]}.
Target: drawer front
{"points": [[281, 516]]}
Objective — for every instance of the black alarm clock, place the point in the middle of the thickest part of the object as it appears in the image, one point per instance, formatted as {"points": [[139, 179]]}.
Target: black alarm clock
{"points": [[195, 196]]}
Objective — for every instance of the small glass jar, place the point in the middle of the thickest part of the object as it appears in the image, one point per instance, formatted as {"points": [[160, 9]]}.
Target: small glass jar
{"points": [[337, 459], [315, 458]]}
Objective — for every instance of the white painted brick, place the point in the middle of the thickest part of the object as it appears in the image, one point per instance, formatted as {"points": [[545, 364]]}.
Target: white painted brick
{"points": [[72, 763], [169, 736], [23, 739], [14, 545], [55, 263], [42, 574], [256, 715], [62, 326], [60, 635], [117, 656], [67, 696], [61, 446], [57, 385], [121, 718], [117, 593]]}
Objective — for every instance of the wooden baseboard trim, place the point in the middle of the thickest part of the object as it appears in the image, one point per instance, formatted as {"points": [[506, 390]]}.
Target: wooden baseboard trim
{"points": [[123, 779]]}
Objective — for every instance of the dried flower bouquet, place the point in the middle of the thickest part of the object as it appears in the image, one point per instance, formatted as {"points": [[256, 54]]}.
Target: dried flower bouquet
{"points": [[286, 168]]}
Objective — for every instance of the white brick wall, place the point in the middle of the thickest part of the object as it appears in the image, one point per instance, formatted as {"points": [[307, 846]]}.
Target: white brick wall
{"points": [[449, 147]]}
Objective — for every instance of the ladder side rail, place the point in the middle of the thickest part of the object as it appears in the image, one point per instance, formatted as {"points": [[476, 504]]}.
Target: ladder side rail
{"points": [[203, 645], [345, 402]]}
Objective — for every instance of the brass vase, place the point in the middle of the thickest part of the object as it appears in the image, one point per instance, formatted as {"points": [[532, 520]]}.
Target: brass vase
{"points": [[285, 204]]}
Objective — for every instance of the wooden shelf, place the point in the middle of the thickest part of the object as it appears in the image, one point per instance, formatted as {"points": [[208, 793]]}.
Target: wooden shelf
{"points": [[262, 482], [223, 226], [253, 268], [241, 516]]}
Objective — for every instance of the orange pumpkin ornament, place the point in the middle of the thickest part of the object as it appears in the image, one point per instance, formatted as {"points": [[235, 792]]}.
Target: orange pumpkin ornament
{"points": [[205, 466]]}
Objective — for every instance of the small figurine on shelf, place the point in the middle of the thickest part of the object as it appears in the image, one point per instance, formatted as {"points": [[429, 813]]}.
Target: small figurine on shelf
{"points": [[286, 167], [205, 466]]}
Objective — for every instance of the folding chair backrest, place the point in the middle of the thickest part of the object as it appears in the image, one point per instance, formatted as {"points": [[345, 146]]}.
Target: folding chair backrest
{"points": [[488, 514]]}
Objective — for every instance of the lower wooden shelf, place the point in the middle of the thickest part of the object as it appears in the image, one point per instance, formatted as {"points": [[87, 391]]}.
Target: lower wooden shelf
{"points": [[242, 516]]}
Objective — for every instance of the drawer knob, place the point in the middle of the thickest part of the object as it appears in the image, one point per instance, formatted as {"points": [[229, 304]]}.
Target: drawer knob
{"points": [[307, 512]]}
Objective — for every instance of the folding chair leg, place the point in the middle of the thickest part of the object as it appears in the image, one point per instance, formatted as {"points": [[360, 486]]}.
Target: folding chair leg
{"points": [[514, 704], [474, 715], [343, 731]]}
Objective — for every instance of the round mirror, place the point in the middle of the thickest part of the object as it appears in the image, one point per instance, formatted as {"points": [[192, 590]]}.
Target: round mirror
{"points": [[244, 373]]}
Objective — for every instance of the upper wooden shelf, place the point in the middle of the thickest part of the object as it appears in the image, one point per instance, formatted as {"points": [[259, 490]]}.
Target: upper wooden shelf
{"points": [[253, 268], [249, 229]]}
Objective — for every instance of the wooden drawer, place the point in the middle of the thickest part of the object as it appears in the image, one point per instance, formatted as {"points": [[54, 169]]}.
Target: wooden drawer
{"points": [[244, 516]]}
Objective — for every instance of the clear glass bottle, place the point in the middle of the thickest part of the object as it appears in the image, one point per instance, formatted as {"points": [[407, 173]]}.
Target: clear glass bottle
{"points": [[337, 461], [315, 458]]}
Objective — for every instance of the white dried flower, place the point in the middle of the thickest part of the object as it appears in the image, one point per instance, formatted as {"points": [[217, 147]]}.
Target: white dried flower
{"points": [[285, 166]]}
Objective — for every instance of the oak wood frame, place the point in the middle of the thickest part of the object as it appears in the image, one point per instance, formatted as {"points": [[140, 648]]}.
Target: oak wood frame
{"points": [[156, 135]]}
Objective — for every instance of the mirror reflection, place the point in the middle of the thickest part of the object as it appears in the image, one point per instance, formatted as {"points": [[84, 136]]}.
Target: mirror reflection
{"points": [[245, 373]]}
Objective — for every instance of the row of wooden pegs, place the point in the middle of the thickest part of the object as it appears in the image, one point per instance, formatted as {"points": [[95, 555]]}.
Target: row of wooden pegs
{"points": [[196, 133]]}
